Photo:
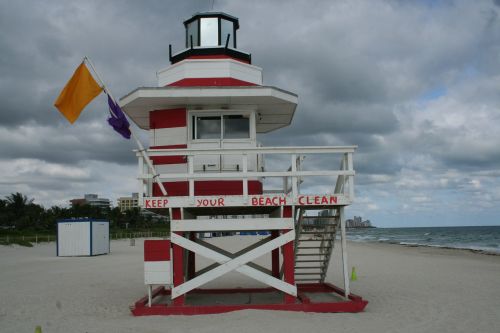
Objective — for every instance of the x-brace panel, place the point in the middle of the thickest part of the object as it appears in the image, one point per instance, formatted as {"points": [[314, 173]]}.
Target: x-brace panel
{"points": [[239, 263]]}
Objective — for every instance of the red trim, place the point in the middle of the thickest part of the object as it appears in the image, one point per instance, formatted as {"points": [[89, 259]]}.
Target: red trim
{"points": [[288, 259], [167, 118], [159, 160], [169, 147], [303, 303], [157, 250], [288, 268], [211, 82], [212, 187], [287, 211], [275, 256], [191, 271], [216, 56], [176, 214]]}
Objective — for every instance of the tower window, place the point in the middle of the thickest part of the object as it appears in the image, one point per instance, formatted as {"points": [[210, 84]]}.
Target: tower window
{"points": [[226, 28], [221, 127], [209, 31], [192, 34], [236, 127], [207, 128]]}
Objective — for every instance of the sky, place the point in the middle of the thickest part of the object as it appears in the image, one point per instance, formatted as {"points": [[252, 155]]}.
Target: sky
{"points": [[414, 84]]}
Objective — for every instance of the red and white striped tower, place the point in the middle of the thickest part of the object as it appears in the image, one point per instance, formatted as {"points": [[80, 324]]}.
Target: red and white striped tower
{"points": [[203, 120]]}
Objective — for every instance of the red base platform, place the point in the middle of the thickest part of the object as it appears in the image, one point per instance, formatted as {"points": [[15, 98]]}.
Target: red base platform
{"points": [[312, 297]]}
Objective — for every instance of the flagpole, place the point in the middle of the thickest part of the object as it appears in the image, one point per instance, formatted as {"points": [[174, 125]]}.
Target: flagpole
{"points": [[137, 141]]}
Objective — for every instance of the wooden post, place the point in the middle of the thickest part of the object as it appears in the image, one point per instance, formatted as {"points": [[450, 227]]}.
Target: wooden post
{"points": [[288, 258], [178, 261], [191, 258], [294, 178], [345, 266]]}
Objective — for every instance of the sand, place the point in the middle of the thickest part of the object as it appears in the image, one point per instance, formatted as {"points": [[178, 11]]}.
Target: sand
{"points": [[409, 290]]}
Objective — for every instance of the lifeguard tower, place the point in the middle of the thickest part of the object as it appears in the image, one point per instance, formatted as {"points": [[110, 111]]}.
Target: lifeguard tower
{"points": [[205, 168]]}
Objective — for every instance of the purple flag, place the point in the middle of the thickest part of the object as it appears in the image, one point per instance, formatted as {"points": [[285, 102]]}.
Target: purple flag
{"points": [[117, 119]]}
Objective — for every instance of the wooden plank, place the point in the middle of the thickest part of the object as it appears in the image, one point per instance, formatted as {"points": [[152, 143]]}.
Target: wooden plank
{"points": [[232, 224]]}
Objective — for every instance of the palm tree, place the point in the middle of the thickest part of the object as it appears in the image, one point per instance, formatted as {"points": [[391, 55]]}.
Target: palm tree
{"points": [[17, 202], [21, 211]]}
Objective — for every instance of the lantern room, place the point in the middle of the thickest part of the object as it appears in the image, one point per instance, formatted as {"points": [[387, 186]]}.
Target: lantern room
{"points": [[211, 34]]}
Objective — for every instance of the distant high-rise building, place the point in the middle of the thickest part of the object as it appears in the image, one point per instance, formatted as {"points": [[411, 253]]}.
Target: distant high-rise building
{"points": [[357, 222], [92, 200], [126, 203]]}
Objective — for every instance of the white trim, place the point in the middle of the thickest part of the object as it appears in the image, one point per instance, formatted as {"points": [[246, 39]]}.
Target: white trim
{"points": [[171, 168], [158, 272], [168, 136], [260, 150], [232, 224], [229, 175]]}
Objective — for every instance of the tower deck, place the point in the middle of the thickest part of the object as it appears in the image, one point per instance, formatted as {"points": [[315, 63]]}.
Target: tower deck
{"points": [[292, 192]]}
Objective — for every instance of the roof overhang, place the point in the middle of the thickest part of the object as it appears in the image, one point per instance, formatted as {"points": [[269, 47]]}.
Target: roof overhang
{"points": [[275, 107]]}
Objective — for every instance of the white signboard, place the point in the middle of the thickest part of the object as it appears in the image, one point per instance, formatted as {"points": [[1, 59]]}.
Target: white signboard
{"points": [[251, 200]]}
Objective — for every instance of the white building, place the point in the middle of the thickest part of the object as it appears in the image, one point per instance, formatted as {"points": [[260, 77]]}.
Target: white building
{"points": [[92, 200]]}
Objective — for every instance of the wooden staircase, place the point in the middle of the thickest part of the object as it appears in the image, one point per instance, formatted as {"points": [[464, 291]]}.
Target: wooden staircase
{"points": [[314, 241]]}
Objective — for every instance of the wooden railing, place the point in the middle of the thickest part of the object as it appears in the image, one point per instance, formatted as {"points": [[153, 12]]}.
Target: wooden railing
{"points": [[292, 177]]}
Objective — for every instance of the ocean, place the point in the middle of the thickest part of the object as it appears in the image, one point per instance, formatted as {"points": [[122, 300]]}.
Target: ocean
{"points": [[485, 238]]}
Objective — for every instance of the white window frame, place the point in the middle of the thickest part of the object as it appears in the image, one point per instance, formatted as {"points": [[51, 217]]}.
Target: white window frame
{"points": [[221, 113]]}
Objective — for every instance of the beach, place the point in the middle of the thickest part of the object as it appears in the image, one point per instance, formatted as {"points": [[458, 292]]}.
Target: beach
{"points": [[409, 289]]}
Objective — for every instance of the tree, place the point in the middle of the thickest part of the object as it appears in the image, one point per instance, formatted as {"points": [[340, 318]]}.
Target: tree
{"points": [[17, 201], [21, 211]]}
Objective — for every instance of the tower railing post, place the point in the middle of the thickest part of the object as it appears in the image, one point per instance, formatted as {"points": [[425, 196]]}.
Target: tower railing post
{"points": [[141, 180], [351, 178], [245, 178], [191, 179], [294, 177]]}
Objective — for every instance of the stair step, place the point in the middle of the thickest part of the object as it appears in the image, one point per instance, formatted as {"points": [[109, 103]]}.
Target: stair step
{"points": [[320, 217], [316, 240], [309, 247], [310, 254], [308, 273], [308, 267], [307, 279], [317, 232], [319, 225], [309, 260]]}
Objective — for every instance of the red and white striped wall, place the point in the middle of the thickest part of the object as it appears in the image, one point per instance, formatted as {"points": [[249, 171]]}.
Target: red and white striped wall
{"points": [[157, 262], [210, 72], [168, 130]]}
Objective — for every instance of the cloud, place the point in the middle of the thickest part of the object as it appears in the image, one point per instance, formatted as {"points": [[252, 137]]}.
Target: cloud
{"points": [[413, 84]]}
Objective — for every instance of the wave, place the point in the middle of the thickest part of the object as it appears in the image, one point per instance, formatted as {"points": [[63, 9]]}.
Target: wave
{"points": [[482, 249], [476, 239]]}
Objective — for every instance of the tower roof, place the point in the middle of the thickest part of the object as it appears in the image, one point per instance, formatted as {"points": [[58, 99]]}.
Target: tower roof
{"points": [[275, 107], [213, 14]]}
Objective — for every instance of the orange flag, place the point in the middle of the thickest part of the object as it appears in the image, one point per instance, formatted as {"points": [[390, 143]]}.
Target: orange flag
{"points": [[80, 90]]}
